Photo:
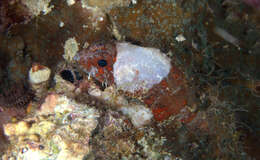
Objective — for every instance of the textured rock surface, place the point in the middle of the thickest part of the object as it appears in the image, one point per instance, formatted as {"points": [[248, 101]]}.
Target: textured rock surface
{"points": [[63, 128]]}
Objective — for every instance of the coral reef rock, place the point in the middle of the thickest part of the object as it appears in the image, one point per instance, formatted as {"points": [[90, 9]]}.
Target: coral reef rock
{"points": [[139, 114], [38, 7], [61, 130]]}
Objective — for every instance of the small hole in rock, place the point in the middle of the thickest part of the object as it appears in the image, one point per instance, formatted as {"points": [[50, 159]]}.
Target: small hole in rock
{"points": [[257, 88], [67, 75]]}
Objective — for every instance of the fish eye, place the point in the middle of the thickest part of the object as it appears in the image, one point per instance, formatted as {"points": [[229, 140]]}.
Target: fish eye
{"points": [[102, 63]]}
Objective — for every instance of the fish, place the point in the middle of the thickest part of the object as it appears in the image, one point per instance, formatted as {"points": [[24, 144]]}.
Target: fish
{"points": [[142, 72]]}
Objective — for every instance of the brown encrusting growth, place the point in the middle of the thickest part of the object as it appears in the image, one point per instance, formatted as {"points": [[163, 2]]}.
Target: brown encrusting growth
{"points": [[16, 96], [12, 12], [13, 104]]}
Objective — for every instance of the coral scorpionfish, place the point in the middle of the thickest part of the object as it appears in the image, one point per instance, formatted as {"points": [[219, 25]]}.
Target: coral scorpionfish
{"points": [[141, 71]]}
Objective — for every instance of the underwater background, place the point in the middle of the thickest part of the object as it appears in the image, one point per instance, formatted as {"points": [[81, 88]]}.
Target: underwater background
{"points": [[129, 79]]}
